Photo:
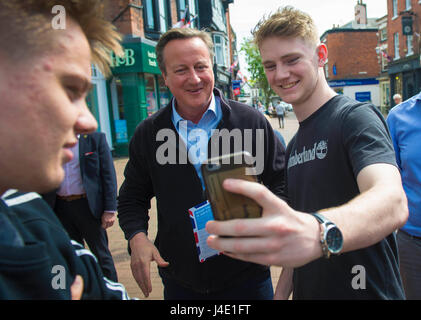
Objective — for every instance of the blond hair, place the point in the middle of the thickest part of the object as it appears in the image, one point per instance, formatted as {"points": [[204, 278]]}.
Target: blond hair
{"points": [[181, 33], [26, 28], [286, 22]]}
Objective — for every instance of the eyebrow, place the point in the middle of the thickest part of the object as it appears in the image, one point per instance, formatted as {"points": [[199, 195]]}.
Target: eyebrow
{"points": [[86, 85], [287, 56]]}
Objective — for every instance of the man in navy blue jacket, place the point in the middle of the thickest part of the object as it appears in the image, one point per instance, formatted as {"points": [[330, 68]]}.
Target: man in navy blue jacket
{"points": [[86, 202]]}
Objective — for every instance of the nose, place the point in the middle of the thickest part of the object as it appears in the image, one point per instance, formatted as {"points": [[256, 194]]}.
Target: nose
{"points": [[194, 77], [85, 122], [281, 73]]}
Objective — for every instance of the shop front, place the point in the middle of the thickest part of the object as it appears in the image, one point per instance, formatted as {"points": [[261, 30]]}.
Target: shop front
{"points": [[136, 90], [405, 77], [363, 90]]}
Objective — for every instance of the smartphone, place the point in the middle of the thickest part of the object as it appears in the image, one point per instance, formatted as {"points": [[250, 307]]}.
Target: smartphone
{"points": [[227, 205]]}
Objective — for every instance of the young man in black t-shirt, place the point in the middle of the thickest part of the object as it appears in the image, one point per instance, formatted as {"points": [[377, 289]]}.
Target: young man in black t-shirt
{"points": [[334, 239]]}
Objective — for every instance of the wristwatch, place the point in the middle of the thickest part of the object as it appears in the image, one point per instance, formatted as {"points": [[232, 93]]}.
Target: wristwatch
{"points": [[330, 236]]}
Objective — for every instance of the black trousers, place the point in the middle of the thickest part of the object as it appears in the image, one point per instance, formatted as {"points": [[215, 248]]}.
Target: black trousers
{"points": [[81, 225]]}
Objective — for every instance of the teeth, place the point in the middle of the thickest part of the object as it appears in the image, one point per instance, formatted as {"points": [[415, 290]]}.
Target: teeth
{"points": [[289, 85]]}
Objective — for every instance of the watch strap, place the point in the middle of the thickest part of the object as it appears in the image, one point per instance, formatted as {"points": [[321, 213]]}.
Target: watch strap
{"points": [[319, 217], [322, 220]]}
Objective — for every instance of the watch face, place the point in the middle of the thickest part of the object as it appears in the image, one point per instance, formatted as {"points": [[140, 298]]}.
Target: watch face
{"points": [[334, 240]]}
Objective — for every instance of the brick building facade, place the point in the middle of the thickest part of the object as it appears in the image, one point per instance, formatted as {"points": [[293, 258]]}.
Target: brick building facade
{"points": [[404, 67], [351, 54], [352, 68]]}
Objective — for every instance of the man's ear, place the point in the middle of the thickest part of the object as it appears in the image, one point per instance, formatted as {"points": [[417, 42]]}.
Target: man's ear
{"points": [[164, 76], [322, 54]]}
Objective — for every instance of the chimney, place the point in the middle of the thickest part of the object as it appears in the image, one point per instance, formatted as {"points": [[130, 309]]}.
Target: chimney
{"points": [[361, 13]]}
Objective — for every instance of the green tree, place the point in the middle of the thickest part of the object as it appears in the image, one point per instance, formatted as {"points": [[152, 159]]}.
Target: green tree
{"points": [[255, 68]]}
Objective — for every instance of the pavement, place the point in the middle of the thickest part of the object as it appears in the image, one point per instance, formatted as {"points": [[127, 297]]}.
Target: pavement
{"points": [[118, 245]]}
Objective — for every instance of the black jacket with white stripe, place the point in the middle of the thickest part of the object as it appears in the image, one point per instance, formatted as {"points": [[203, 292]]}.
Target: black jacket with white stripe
{"points": [[37, 258]]}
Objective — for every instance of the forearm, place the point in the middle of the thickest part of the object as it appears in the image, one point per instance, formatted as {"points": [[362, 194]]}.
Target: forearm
{"points": [[132, 211], [370, 217]]}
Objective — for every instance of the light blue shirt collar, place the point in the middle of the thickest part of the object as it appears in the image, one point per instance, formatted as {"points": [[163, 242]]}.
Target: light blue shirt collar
{"points": [[212, 110]]}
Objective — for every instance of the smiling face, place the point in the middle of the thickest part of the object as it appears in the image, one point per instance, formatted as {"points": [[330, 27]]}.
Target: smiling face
{"points": [[42, 109], [292, 67], [189, 75]]}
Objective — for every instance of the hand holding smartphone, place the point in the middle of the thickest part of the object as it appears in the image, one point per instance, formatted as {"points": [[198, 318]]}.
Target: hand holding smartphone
{"points": [[227, 205]]}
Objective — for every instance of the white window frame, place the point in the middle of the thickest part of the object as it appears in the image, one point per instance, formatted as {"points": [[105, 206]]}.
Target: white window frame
{"points": [[394, 9], [221, 48], [396, 45], [409, 45], [408, 5], [162, 13]]}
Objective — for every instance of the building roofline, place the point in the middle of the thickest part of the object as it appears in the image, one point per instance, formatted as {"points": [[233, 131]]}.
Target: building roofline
{"points": [[340, 30]]}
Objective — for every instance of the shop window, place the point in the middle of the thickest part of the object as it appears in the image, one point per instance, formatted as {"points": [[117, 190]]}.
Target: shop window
{"points": [[396, 45], [119, 114], [182, 6], [157, 17], [395, 8], [383, 34], [164, 94], [120, 123], [150, 88], [92, 101], [150, 18], [221, 50], [409, 41]]}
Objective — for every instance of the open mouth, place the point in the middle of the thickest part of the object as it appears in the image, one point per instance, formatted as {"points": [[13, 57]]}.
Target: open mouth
{"points": [[289, 85]]}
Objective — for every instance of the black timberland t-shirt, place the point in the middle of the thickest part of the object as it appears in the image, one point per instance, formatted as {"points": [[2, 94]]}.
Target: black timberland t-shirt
{"points": [[323, 161]]}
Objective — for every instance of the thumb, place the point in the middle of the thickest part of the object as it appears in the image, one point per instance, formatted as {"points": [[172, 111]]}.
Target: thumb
{"points": [[159, 260]]}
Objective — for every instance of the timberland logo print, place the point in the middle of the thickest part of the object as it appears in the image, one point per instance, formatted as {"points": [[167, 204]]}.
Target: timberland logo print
{"points": [[321, 150], [317, 151]]}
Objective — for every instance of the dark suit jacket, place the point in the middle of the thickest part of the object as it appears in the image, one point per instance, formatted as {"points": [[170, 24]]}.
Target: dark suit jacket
{"points": [[98, 174]]}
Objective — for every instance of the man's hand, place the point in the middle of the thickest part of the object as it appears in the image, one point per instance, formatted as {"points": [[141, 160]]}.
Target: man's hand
{"points": [[76, 289], [282, 237], [108, 219], [143, 252]]}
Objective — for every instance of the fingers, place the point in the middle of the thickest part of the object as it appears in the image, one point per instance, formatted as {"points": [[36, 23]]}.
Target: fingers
{"points": [[76, 289], [243, 227], [141, 273], [107, 219], [267, 200], [141, 264], [160, 261], [107, 224]]}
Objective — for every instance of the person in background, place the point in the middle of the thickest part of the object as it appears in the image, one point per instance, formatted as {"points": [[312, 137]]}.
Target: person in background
{"points": [[404, 125], [86, 202], [280, 113], [397, 98]]}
